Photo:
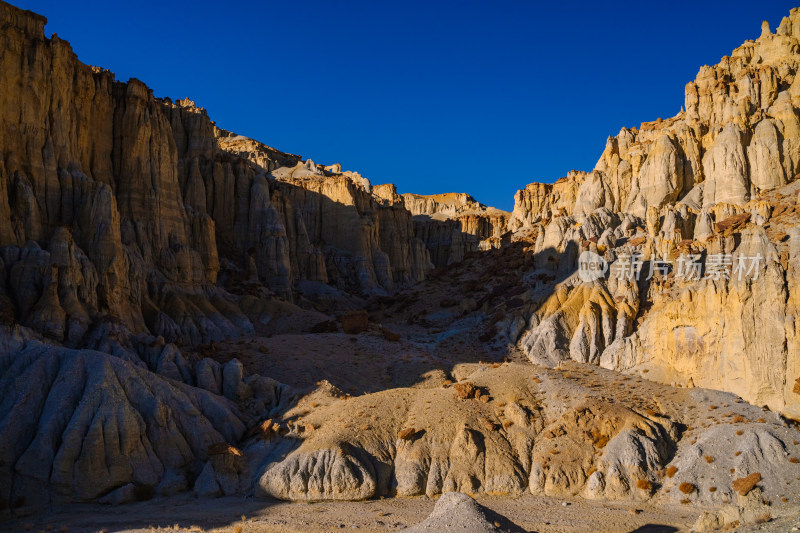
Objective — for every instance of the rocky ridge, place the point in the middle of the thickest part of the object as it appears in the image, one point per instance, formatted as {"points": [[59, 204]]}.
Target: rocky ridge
{"points": [[452, 225], [123, 206], [718, 179]]}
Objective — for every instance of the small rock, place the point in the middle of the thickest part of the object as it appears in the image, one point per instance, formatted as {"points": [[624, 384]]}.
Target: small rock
{"points": [[124, 494], [390, 335], [354, 322]]}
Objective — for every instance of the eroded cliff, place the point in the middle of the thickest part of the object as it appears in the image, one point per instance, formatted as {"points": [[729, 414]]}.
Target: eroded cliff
{"points": [[454, 224], [718, 181], [121, 206], [134, 229]]}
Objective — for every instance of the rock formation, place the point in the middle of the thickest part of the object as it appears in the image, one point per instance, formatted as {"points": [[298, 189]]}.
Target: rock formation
{"points": [[78, 425], [500, 438], [159, 212], [452, 225], [671, 187]]}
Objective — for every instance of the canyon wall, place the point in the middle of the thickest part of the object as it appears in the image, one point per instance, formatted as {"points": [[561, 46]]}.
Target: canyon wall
{"points": [[131, 225], [454, 224], [736, 137], [121, 206], [716, 180]]}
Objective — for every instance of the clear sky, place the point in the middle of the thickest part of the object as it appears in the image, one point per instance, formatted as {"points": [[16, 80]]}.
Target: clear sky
{"points": [[450, 96]]}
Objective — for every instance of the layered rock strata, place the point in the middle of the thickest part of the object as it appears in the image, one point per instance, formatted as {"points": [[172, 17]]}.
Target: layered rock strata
{"points": [[121, 206], [454, 224], [718, 180]]}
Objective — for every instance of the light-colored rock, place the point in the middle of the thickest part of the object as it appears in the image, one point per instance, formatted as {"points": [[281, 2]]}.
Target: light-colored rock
{"points": [[453, 224], [103, 423], [706, 181], [725, 169], [455, 511], [342, 473]]}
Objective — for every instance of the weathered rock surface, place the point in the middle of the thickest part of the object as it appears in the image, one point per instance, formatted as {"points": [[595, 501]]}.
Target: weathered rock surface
{"points": [[738, 137], [149, 210], [454, 224], [77, 425], [131, 226], [547, 432], [717, 180], [368, 239]]}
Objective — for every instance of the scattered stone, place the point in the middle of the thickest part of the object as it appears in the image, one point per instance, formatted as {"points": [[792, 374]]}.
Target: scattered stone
{"points": [[390, 335], [354, 322], [744, 485]]}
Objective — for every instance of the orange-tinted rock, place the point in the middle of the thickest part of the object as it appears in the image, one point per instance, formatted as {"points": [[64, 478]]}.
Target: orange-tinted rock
{"points": [[355, 322]]}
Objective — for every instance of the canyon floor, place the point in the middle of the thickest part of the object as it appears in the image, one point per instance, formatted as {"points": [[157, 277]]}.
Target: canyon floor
{"points": [[532, 513], [350, 386]]}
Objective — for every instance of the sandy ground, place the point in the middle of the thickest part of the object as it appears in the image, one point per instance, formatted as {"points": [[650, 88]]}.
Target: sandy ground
{"points": [[779, 525], [185, 513]]}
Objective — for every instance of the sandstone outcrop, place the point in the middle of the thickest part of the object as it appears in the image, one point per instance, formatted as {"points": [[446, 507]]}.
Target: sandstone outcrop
{"points": [[138, 241], [454, 224], [127, 223], [717, 180], [128, 417], [542, 201], [735, 334], [525, 437], [101, 424], [152, 213], [736, 139]]}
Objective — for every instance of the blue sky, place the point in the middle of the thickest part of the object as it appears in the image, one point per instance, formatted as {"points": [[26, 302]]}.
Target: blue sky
{"points": [[478, 97]]}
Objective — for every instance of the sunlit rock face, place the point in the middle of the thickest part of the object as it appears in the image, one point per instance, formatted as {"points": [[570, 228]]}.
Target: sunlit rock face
{"points": [[128, 207], [737, 134], [454, 224], [732, 150]]}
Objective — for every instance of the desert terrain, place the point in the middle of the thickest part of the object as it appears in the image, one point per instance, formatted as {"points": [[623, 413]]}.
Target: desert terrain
{"points": [[199, 332]]}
